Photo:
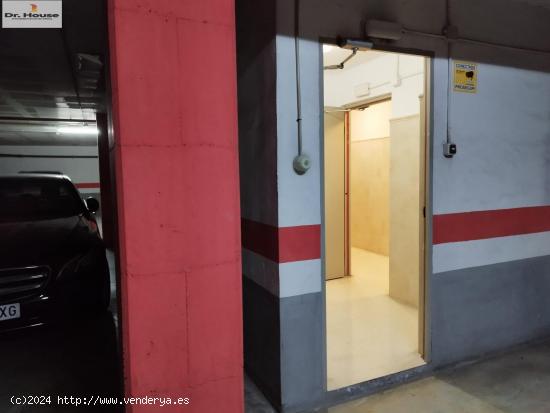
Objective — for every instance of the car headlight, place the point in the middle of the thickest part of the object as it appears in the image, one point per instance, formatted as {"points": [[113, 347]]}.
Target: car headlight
{"points": [[78, 263]]}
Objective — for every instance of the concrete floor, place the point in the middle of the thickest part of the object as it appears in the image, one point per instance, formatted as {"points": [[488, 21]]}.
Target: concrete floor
{"points": [[369, 334], [517, 382], [78, 358]]}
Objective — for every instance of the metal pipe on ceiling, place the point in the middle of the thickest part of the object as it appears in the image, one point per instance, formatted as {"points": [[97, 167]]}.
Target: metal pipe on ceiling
{"points": [[15, 119]]}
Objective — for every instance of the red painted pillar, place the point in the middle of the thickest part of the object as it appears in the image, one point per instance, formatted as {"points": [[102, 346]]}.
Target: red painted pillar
{"points": [[175, 120]]}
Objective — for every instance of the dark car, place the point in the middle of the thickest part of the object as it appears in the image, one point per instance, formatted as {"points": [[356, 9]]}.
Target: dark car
{"points": [[52, 258]]}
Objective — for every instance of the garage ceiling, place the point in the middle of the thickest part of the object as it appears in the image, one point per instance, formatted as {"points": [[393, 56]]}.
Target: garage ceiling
{"points": [[52, 75]]}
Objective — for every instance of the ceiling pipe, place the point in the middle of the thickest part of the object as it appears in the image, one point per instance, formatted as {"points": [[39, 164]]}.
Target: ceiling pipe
{"points": [[14, 119]]}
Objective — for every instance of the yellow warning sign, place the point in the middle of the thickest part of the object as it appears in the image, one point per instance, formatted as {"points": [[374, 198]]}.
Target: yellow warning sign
{"points": [[465, 77]]}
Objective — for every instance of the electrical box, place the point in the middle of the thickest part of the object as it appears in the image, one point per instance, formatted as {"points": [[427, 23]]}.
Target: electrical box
{"points": [[449, 149]]}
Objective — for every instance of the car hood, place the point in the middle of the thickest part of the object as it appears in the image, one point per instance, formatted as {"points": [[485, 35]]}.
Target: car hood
{"points": [[44, 242]]}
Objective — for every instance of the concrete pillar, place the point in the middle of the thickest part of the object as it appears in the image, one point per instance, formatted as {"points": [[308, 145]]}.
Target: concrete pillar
{"points": [[303, 361], [283, 300], [175, 124]]}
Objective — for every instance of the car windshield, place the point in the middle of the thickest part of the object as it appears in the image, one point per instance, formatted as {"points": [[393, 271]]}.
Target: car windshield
{"points": [[37, 199]]}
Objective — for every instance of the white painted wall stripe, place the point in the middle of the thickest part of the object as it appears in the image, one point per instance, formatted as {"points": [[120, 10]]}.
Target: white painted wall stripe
{"points": [[468, 254], [300, 277], [283, 280]]}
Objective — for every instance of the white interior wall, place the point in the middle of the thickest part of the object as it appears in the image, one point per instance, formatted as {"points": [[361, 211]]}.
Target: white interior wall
{"points": [[402, 76], [369, 178], [372, 122]]}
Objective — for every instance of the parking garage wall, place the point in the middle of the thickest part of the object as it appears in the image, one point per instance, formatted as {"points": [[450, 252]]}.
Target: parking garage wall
{"points": [[80, 163], [488, 215]]}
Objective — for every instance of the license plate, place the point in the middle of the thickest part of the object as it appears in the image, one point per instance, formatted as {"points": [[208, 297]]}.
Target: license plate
{"points": [[10, 311]]}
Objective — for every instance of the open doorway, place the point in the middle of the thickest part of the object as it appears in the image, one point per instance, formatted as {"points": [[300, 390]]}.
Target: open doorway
{"points": [[374, 186]]}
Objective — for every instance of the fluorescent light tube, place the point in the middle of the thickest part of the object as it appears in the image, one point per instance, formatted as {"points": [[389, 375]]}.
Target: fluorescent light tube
{"points": [[78, 130]]}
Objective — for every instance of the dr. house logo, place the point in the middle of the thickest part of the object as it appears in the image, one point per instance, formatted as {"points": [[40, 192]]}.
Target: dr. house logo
{"points": [[38, 14], [33, 14]]}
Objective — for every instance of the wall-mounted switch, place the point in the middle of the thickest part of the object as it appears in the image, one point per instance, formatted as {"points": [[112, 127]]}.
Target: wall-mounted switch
{"points": [[449, 149]]}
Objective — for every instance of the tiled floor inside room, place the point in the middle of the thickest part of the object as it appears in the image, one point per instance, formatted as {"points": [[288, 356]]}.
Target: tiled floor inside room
{"points": [[516, 382], [369, 334]]}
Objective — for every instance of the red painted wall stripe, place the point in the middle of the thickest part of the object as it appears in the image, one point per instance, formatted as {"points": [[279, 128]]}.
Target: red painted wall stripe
{"points": [[87, 185], [260, 238], [285, 244], [299, 243], [469, 226]]}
